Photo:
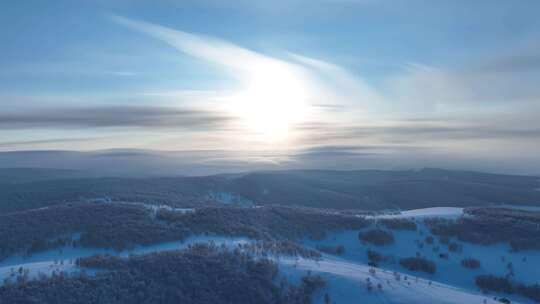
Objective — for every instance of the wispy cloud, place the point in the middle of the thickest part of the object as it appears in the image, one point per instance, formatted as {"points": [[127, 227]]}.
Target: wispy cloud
{"points": [[338, 151], [33, 143], [472, 130], [321, 82], [503, 79], [117, 116], [351, 88], [200, 46]]}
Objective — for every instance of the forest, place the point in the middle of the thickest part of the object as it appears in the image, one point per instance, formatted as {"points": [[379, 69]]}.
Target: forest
{"points": [[362, 190], [200, 274], [504, 284], [485, 226], [121, 226]]}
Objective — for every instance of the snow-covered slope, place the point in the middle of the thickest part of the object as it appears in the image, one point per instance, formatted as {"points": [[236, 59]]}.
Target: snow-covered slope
{"points": [[349, 275], [440, 212], [450, 275], [494, 258], [348, 283], [47, 262]]}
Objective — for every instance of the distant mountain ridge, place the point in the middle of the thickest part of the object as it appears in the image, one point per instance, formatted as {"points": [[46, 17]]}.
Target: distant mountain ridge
{"points": [[362, 189], [157, 163], [24, 175]]}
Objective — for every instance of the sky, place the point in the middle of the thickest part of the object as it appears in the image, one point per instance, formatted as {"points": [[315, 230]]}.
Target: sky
{"points": [[343, 84]]}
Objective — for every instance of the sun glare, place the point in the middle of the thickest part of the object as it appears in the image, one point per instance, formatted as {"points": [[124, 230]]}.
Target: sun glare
{"points": [[273, 100]]}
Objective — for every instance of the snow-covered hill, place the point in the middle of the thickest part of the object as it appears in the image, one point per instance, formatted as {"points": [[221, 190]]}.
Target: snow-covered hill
{"points": [[350, 282], [349, 277], [439, 212]]}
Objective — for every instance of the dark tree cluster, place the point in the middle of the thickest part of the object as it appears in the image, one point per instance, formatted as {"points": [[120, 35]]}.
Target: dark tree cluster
{"points": [[454, 247], [365, 189], [470, 263], [336, 250], [493, 283], [38, 245], [418, 264], [399, 224], [504, 284], [280, 248], [122, 225], [530, 291], [486, 226], [377, 237], [100, 225], [444, 240], [174, 191], [272, 222], [374, 257], [200, 274]]}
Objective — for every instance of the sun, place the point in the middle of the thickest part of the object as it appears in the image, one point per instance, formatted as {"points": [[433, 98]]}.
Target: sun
{"points": [[273, 100]]}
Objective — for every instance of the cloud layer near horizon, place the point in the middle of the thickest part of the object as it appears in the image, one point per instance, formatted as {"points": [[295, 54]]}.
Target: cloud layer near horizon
{"points": [[485, 106], [114, 117]]}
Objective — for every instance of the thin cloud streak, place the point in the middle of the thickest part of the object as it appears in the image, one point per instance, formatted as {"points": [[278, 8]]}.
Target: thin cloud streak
{"points": [[203, 47], [26, 143], [421, 133], [126, 116]]}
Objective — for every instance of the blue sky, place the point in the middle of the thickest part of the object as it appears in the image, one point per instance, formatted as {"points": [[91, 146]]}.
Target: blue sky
{"points": [[435, 82]]}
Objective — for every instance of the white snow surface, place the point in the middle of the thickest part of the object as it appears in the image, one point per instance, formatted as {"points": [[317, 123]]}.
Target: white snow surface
{"points": [[494, 258], [47, 262], [228, 198], [440, 212], [347, 283], [346, 279], [347, 275]]}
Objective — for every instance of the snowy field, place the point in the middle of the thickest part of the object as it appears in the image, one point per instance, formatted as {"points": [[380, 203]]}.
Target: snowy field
{"points": [[440, 212], [63, 259], [454, 282], [349, 282], [494, 258], [444, 212], [350, 279]]}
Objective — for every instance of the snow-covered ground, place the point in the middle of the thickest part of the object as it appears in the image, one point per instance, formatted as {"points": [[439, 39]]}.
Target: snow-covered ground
{"points": [[154, 209], [63, 259], [494, 259], [453, 280], [348, 282], [441, 212], [228, 198], [348, 275]]}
